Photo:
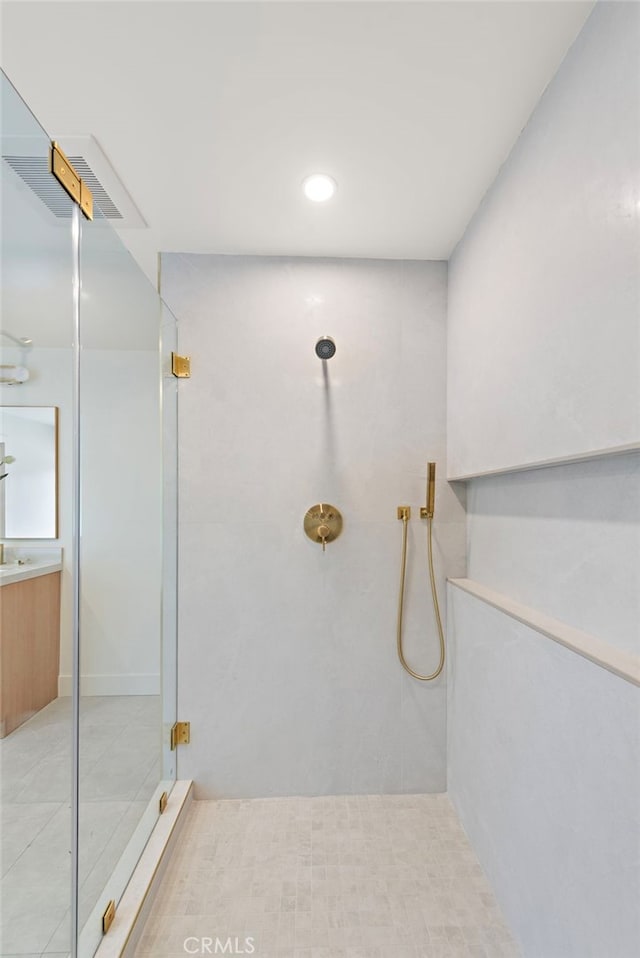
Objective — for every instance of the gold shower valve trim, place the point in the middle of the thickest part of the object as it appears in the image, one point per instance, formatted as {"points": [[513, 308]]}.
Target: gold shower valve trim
{"points": [[323, 523]]}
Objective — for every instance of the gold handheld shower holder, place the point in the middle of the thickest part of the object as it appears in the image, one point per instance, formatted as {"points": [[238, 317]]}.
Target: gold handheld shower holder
{"points": [[426, 512]]}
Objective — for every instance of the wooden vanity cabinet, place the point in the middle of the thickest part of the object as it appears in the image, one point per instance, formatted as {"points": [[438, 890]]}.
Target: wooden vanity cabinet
{"points": [[29, 648]]}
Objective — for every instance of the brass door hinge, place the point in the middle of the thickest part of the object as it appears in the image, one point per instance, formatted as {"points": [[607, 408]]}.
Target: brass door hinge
{"points": [[65, 174], [181, 366], [109, 915], [180, 734], [162, 804]]}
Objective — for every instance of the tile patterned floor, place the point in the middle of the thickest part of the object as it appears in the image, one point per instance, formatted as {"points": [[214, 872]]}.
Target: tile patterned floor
{"points": [[345, 877], [118, 776]]}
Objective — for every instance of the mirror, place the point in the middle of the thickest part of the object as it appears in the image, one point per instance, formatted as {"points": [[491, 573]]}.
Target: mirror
{"points": [[29, 467]]}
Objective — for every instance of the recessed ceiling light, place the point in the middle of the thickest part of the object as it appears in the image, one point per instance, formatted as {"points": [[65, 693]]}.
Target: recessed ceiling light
{"points": [[319, 187]]}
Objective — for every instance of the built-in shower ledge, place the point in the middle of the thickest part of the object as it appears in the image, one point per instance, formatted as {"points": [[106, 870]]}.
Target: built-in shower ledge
{"points": [[134, 906], [623, 664], [624, 449]]}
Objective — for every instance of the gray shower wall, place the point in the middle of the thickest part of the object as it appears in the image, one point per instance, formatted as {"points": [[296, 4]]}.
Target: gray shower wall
{"points": [[288, 669], [544, 752]]}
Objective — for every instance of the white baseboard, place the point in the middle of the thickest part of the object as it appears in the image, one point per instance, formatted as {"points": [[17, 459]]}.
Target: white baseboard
{"points": [[141, 684]]}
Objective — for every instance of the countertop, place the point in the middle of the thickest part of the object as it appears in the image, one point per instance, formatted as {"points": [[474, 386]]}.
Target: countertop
{"points": [[25, 563]]}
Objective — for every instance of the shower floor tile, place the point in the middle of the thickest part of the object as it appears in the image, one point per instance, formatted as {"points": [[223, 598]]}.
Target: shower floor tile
{"points": [[344, 877]]}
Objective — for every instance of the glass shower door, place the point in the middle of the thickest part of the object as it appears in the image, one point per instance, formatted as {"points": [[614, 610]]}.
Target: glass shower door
{"points": [[84, 747], [121, 544], [38, 265], [168, 345]]}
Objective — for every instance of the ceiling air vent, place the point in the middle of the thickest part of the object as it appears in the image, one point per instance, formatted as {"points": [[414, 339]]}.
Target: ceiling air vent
{"points": [[109, 194], [34, 170]]}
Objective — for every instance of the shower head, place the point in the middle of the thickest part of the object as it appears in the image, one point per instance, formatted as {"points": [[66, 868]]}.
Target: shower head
{"points": [[325, 348]]}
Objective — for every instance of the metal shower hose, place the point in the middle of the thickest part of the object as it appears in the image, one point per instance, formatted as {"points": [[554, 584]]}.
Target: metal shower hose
{"points": [[436, 607]]}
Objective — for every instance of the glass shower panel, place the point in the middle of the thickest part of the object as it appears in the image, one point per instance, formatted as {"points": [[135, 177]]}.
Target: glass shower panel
{"points": [[169, 337], [121, 501], [38, 262]]}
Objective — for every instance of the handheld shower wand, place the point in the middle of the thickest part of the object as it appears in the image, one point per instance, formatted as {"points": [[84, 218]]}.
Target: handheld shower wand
{"points": [[426, 512]]}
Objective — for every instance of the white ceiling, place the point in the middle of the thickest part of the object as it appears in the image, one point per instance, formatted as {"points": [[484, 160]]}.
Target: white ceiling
{"points": [[212, 113]]}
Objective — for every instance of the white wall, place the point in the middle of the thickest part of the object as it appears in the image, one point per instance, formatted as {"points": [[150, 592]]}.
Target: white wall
{"points": [[30, 488], [288, 669], [543, 746], [121, 527], [120, 429], [565, 539], [543, 751], [121, 522], [50, 385], [544, 358], [543, 769]]}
